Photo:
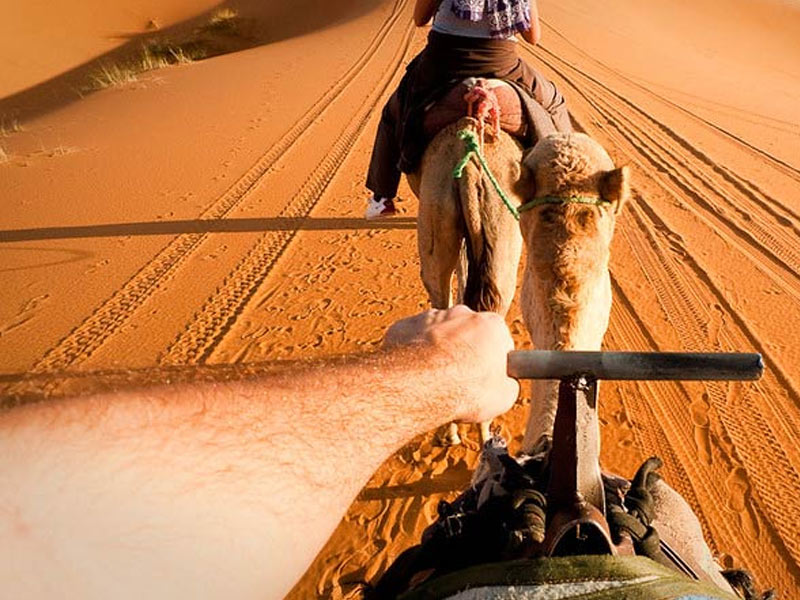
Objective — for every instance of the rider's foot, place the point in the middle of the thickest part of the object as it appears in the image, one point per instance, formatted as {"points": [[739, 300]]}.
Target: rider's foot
{"points": [[378, 208]]}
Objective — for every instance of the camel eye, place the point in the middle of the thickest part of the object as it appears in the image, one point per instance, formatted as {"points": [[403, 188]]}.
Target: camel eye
{"points": [[548, 215]]}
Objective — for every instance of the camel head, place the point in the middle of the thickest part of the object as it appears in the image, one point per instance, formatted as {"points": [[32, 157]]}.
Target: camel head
{"points": [[577, 195]]}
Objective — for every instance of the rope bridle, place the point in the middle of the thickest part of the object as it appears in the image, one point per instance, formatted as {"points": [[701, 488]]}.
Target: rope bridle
{"points": [[473, 147], [592, 200]]}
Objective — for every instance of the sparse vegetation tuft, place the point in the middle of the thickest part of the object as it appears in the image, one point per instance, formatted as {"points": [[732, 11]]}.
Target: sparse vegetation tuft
{"points": [[61, 150], [9, 126], [112, 76], [225, 20], [158, 53], [4, 157]]}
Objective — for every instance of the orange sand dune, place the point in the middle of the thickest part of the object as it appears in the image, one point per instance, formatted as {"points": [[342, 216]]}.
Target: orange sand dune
{"points": [[56, 50], [211, 213]]}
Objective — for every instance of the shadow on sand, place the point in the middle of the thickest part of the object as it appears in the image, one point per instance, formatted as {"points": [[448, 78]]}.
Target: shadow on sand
{"points": [[260, 23], [203, 226], [454, 479], [24, 388]]}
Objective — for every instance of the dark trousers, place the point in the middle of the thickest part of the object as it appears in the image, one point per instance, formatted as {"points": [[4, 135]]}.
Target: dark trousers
{"points": [[383, 175], [446, 59]]}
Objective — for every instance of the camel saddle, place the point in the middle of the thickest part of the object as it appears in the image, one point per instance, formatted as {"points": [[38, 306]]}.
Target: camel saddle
{"points": [[517, 113]]}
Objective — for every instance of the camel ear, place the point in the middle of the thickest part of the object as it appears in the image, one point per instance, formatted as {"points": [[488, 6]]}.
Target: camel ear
{"points": [[526, 157], [526, 182], [615, 187]]}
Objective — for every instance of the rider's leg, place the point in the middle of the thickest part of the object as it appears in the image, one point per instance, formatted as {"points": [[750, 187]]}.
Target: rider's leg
{"points": [[546, 93], [383, 176]]}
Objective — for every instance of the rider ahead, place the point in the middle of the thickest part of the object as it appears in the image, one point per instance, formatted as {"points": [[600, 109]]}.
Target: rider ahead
{"points": [[469, 38]]}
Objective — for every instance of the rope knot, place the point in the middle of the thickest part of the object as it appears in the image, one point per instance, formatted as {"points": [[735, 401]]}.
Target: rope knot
{"points": [[483, 105]]}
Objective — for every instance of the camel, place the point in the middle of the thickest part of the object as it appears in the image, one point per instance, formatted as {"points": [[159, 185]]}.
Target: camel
{"points": [[567, 230], [467, 212], [467, 209], [566, 289]]}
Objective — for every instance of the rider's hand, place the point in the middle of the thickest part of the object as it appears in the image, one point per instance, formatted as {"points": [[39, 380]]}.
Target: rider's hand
{"points": [[471, 348]]}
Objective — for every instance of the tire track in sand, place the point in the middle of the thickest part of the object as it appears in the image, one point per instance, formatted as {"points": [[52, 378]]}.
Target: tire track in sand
{"points": [[628, 135], [110, 316], [755, 455], [772, 236], [778, 163], [661, 427], [685, 306], [218, 313], [627, 332]]}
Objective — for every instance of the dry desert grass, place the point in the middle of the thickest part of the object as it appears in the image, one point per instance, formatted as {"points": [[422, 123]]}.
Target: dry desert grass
{"points": [[160, 53], [9, 126], [225, 20]]}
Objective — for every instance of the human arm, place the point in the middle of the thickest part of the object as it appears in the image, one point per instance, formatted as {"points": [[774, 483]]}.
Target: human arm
{"points": [[226, 490], [534, 34], [424, 11]]}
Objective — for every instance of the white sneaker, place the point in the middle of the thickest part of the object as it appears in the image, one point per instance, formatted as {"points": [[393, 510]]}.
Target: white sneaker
{"points": [[378, 208]]}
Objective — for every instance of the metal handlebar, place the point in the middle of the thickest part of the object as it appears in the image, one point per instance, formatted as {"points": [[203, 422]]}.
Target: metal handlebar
{"points": [[658, 366]]}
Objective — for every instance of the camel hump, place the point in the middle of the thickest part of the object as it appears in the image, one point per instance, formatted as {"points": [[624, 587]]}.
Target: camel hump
{"points": [[454, 105]]}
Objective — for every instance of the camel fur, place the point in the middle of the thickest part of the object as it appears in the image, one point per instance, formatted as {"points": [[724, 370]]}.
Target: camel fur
{"points": [[468, 212], [566, 290]]}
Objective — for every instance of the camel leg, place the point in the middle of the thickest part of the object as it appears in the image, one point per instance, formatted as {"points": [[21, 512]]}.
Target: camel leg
{"points": [[461, 273], [461, 279], [439, 240], [542, 417], [485, 431], [437, 268]]}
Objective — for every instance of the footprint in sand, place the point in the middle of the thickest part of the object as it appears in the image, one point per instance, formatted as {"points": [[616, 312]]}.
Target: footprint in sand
{"points": [[726, 561], [739, 502], [702, 428], [216, 253], [714, 326], [26, 312], [625, 429], [320, 306], [96, 266], [735, 394], [517, 327]]}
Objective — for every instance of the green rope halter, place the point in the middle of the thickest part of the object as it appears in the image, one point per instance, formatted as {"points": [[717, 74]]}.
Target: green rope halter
{"points": [[474, 148], [596, 201]]}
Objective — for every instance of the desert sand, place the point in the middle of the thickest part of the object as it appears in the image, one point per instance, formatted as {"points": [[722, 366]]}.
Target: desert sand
{"points": [[211, 213]]}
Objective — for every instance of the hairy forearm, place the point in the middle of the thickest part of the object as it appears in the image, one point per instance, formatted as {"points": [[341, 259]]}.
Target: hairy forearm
{"points": [[220, 490]]}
